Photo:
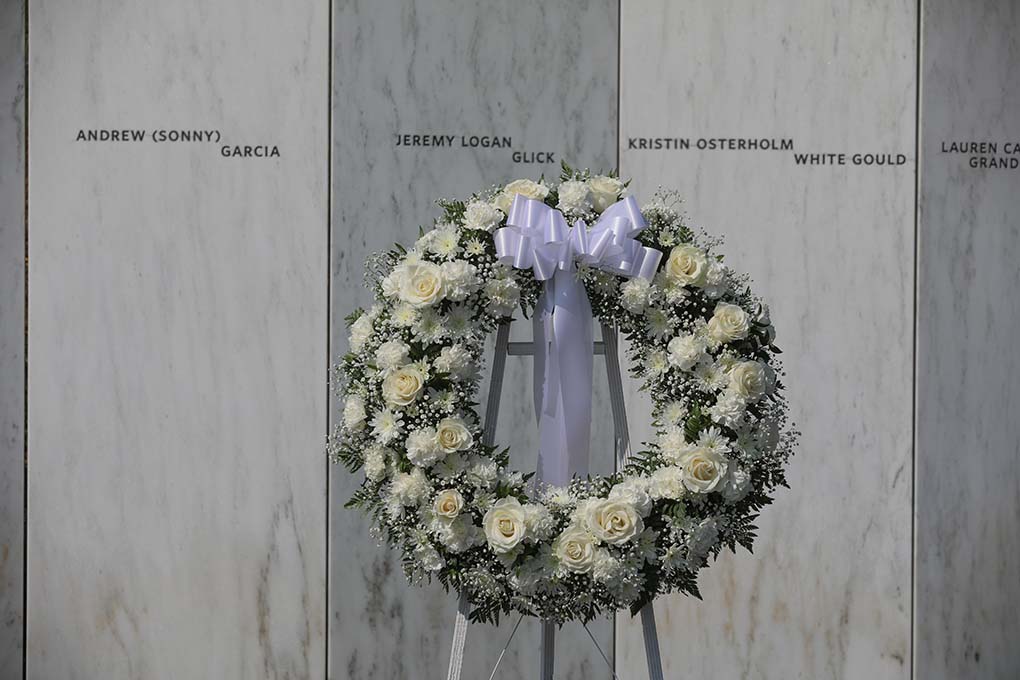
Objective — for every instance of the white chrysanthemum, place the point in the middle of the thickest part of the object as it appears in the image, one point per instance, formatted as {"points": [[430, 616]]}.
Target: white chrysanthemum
{"points": [[558, 496], [429, 327], [711, 377], [361, 331], [482, 215], [474, 247], [392, 354], [686, 351], [659, 325], [713, 438], [375, 463], [458, 320], [354, 412], [657, 362], [461, 279], [422, 447], [574, 197], [386, 425], [635, 294], [674, 412], [404, 315], [738, 483], [728, 410], [445, 241]]}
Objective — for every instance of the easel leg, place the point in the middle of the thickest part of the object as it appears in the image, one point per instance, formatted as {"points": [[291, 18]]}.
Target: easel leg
{"points": [[548, 650], [460, 625], [651, 636]]}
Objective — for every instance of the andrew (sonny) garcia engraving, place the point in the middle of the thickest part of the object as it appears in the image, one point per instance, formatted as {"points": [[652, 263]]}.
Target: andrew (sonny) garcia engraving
{"points": [[157, 136]]}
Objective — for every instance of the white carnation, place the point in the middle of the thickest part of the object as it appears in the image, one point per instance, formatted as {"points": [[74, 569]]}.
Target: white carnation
{"points": [[715, 280], [354, 412], [456, 361], [686, 351], [410, 488], [482, 215], [728, 410], [422, 447], [574, 197], [504, 294], [667, 483], [361, 331], [375, 463], [392, 354], [633, 491], [461, 279], [525, 187], [635, 294], [738, 483]]}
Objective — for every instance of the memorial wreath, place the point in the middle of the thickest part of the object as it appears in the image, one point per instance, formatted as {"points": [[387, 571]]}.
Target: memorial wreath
{"points": [[558, 543]]}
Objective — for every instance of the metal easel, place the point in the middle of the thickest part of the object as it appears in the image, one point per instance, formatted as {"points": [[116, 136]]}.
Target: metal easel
{"points": [[608, 347]]}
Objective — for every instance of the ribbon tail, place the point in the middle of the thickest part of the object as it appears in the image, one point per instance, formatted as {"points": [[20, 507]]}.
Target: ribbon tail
{"points": [[563, 362]]}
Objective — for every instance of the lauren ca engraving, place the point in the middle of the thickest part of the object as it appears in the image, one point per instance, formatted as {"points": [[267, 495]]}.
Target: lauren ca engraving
{"points": [[986, 155]]}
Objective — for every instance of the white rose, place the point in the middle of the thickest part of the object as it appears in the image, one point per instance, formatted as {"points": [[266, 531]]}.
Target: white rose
{"points": [[422, 448], [361, 331], [728, 323], [354, 412], [421, 284], [634, 294], [456, 361], [574, 197], [448, 503], [575, 549], [613, 521], [635, 493], [391, 354], [687, 265], [402, 386], [604, 191], [460, 279], [482, 215], [751, 380], [504, 525], [452, 435], [703, 469], [686, 351], [667, 483], [525, 187]]}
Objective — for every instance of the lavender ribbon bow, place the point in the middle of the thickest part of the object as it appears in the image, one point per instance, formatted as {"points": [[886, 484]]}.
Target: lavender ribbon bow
{"points": [[537, 237]]}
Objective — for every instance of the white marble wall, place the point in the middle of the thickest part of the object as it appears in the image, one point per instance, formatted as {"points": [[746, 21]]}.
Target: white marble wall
{"points": [[827, 592], [968, 440], [178, 306], [12, 336], [543, 74]]}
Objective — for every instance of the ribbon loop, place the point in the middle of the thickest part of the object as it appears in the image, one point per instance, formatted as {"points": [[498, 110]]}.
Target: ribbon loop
{"points": [[537, 237]]}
